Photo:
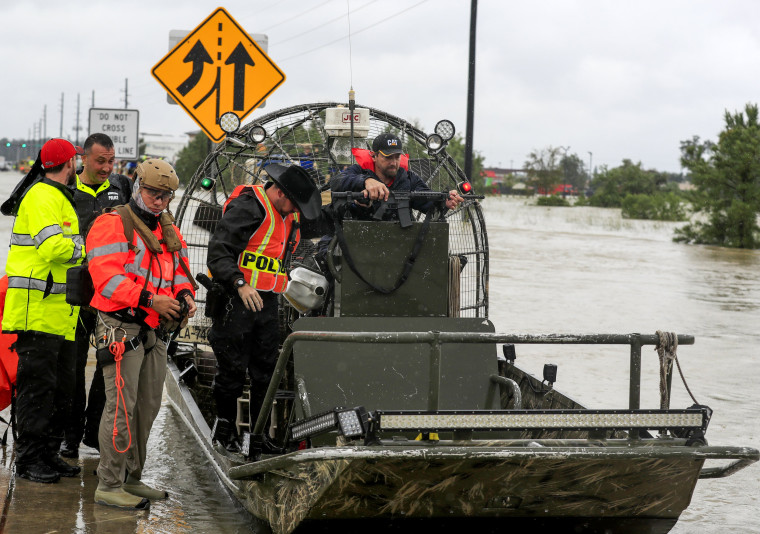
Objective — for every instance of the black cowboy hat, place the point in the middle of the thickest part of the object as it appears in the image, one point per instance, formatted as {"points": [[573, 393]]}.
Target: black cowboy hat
{"points": [[298, 186]]}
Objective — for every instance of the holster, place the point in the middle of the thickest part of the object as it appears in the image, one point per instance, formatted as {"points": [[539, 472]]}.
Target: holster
{"points": [[216, 300]]}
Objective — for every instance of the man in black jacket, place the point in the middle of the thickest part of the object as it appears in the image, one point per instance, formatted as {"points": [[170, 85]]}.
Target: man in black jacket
{"points": [[96, 189], [387, 175]]}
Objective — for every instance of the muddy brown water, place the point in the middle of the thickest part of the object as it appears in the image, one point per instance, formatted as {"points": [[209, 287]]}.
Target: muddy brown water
{"points": [[563, 270]]}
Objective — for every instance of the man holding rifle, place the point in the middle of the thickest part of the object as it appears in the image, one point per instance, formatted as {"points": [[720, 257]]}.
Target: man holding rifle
{"points": [[388, 175]]}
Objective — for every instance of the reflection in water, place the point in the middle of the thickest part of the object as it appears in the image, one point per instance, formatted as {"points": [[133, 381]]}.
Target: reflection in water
{"points": [[565, 270]]}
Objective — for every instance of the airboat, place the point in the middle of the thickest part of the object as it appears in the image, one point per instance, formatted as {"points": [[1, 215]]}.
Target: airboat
{"points": [[406, 409]]}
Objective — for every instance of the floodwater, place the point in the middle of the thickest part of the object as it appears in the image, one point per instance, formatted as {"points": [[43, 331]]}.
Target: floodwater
{"points": [[561, 270]]}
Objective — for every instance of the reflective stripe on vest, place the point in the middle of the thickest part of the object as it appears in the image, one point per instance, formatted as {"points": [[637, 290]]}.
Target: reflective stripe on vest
{"points": [[21, 282], [261, 261]]}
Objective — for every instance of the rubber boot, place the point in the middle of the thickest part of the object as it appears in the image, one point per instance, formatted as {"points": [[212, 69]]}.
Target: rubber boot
{"points": [[119, 498], [138, 488]]}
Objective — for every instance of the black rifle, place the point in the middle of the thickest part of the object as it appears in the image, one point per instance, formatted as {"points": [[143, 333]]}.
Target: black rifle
{"points": [[399, 203]]}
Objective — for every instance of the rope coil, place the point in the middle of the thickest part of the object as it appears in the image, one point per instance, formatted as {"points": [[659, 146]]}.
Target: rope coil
{"points": [[117, 348], [666, 349]]}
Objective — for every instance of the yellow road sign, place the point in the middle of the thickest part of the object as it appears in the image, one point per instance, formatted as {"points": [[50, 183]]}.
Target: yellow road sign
{"points": [[218, 69]]}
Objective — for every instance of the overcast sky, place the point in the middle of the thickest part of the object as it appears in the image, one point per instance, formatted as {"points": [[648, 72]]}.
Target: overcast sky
{"points": [[619, 79]]}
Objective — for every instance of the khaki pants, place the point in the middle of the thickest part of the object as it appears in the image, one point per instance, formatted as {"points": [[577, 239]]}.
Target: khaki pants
{"points": [[143, 373]]}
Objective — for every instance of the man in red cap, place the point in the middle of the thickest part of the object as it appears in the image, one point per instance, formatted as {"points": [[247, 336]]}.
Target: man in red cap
{"points": [[44, 244]]}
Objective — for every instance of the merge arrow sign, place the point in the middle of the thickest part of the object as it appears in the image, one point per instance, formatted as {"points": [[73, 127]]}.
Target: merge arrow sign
{"points": [[240, 58], [218, 58]]}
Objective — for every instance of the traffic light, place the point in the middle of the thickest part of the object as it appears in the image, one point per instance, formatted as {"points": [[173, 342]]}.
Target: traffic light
{"points": [[7, 144], [23, 145]]}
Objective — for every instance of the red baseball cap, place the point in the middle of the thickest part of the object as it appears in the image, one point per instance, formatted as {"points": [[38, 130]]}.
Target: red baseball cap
{"points": [[58, 151]]}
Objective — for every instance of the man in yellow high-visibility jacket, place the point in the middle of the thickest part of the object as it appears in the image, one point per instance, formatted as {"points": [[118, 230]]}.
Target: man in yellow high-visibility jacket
{"points": [[45, 243]]}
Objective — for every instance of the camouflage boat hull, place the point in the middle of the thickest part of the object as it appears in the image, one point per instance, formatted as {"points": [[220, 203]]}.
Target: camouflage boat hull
{"points": [[583, 485], [461, 483]]}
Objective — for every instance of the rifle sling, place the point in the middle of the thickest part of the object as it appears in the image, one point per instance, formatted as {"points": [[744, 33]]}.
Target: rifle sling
{"points": [[408, 265]]}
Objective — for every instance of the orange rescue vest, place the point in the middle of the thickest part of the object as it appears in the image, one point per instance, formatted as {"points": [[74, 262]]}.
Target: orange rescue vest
{"points": [[261, 262]]}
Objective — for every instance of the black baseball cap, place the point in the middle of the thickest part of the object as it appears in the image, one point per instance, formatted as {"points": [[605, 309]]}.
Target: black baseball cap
{"points": [[387, 144]]}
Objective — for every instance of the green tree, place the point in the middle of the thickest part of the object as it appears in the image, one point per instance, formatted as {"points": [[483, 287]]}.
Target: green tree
{"points": [[661, 206], [573, 172], [725, 175], [544, 169], [455, 149], [612, 185], [191, 157]]}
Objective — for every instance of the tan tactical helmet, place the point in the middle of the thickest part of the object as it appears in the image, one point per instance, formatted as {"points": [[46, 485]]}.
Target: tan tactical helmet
{"points": [[158, 174]]}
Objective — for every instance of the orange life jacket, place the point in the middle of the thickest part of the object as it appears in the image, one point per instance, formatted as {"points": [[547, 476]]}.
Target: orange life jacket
{"points": [[364, 159], [120, 273], [261, 262]]}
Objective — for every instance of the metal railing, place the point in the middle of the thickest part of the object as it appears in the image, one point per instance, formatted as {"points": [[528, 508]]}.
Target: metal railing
{"points": [[437, 339]]}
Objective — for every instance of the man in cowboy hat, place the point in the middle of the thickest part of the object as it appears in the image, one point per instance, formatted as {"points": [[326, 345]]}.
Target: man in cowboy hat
{"points": [[260, 227]]}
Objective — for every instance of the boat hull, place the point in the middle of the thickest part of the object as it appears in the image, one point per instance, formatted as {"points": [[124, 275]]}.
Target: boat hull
{"points": [[462, 483], [496, 484]]}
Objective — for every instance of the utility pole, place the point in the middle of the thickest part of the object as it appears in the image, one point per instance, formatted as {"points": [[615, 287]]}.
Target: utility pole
{"points": [[93, 99], [126, 93], [77, 126], [60, 133], [590, 167], [470, 92], [44, 114]]}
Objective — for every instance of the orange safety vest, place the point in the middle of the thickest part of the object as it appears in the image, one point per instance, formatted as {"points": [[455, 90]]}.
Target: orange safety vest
{"points": [[261, 262], [119, 273]]}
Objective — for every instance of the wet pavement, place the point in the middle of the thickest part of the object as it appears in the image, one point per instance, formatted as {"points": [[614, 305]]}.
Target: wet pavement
{"points": [[197, 502]]}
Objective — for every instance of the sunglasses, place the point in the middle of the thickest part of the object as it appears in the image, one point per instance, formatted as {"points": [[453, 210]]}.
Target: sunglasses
{"points": [[158, 194]]}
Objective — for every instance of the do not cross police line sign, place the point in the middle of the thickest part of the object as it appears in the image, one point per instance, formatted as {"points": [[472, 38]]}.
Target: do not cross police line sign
{"points": [[121, 125], [218, 69]]}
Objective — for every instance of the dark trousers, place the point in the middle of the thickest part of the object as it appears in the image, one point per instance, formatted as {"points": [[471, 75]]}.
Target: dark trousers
{"points": [[244, 341], [45, 383], [85, 421]]}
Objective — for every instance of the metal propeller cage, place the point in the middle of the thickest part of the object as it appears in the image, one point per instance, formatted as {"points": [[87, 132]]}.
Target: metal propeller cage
{"points": [[298, 135]]}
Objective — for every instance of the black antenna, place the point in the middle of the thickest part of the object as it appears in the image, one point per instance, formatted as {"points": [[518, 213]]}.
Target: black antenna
{"points": [[470, 92]]}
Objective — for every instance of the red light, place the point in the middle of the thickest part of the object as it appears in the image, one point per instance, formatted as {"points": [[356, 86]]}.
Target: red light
{"points": [[465, 187]]}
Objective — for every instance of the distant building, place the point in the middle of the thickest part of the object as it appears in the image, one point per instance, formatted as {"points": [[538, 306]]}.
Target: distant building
{"points": [[499, 181], [164, 146]]}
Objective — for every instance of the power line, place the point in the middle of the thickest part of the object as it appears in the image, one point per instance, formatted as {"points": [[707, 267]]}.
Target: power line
{"points": [[296, 16], [374, 24], [322, 25]]}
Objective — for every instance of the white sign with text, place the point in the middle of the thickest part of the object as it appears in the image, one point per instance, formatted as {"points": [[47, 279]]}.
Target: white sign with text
{"points": [[122, 126]]}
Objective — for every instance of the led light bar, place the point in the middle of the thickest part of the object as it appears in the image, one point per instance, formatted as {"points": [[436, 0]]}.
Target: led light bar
{"points": [[317, 424], [350, 425], [350, 422], [421, 421]]}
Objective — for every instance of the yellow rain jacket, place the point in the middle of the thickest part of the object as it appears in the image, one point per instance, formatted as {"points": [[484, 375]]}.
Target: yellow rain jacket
{"points": [[45, 243]]}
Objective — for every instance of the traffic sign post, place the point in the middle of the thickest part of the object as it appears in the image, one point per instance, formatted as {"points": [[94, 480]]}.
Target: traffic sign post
{"points": [[218, 69], [122, 126]]}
